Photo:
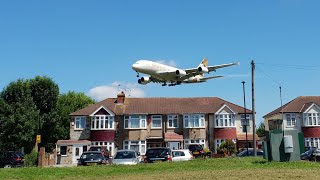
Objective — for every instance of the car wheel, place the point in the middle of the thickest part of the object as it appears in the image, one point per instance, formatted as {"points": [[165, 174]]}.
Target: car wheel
{"points": [[8, 166]]}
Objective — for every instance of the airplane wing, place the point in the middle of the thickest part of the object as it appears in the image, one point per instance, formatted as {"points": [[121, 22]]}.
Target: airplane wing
{"points": [[194, 71], [212, 77]]}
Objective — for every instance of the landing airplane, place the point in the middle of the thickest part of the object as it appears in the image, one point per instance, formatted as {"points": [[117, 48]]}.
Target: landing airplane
{"points": [[161, 73]]}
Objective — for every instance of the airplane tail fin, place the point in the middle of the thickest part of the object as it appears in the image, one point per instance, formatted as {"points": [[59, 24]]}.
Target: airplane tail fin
{"points": [[204, 62]]}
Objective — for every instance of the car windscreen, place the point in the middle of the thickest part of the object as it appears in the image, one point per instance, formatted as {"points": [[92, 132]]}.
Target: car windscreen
{"points": [[89, 156], [125, 155], [157, 152]]}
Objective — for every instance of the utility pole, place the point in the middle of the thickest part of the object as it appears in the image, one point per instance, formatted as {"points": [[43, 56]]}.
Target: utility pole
{"points": [[253, 111]]}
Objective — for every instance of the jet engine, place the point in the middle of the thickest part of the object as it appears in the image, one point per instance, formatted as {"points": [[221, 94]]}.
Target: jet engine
{"points": [[181, 73], [144, 80], [202, 69]]}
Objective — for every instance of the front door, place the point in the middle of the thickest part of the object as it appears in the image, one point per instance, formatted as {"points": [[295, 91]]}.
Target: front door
{"points": [[77, 150]]}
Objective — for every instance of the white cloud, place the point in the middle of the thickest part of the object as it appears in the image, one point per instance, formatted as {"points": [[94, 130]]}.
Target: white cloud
{"points": [[169, 63], [110, 91]]}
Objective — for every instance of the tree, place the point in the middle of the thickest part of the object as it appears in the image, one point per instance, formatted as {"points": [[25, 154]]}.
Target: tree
{"points": [[68, 103], [34, 106], [18, 117], [45, 93], [261, 130]]}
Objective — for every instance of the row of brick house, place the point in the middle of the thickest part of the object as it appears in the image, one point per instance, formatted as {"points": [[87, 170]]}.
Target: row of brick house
{"points": [[301, 114], [140, 123]]}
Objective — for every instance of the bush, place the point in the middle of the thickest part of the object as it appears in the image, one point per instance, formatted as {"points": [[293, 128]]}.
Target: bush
{"points": [[31, 159], [227, 147]]}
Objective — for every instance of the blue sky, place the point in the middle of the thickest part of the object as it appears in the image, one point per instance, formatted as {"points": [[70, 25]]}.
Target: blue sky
{"points": [[89, 46]]}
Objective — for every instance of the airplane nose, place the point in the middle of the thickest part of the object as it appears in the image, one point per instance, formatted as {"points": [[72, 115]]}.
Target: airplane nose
{"points": [[135, 66]]}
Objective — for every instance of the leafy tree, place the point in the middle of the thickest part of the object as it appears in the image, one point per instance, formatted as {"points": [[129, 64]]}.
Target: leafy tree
{"points": [[227, 147], [261, 130], [28, 107], [45, 94], [19, 117], [68, 103]]}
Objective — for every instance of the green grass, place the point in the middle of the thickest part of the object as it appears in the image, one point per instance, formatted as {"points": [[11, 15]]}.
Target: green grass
{"points": [[225, 168]]}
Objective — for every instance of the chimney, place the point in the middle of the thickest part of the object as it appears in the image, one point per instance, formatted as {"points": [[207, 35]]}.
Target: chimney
{"points": [[120, 98]]}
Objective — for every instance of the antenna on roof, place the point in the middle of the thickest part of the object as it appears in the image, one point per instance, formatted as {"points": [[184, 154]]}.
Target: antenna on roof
{"points": [[124, 89]]}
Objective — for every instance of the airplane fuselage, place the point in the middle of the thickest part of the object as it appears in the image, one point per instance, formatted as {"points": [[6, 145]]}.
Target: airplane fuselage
{"points": [[153, 69]]}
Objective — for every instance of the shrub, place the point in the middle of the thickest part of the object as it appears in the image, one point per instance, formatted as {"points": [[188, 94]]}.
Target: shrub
{"points": [[227, 147], [31, 159]]}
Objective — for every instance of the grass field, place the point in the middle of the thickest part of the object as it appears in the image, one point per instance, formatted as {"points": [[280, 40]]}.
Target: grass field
{"points": [[224, 168]]}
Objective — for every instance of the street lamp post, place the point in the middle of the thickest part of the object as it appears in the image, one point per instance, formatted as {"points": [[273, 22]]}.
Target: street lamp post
{"points": [[245, 125]]}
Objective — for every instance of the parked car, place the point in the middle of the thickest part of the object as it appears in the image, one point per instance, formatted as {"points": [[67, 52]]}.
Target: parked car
{"points": [[92, 158], [126, 157], [250, 152], [11, 159], [104, 150], [197, 150], [309, 154], [158, 154], [181, 155]]}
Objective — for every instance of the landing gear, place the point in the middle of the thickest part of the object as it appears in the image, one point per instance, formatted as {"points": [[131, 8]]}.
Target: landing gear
{"points": [[137, 74], [164, 84]]}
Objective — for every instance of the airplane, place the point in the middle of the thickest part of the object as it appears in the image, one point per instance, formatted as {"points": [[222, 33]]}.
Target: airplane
{"points": [[161, 73]]}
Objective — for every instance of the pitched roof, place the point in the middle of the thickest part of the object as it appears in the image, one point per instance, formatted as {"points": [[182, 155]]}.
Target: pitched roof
{"points": [[161, 106], [297, 105]]}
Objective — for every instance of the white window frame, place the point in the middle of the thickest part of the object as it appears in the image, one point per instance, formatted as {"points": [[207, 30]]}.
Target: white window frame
{"points": [[291, 119], [194, 121], [66, 154], [225, 120], [156, 118], [312, 142], [108, 144], [98, 122], [173, 118], [142, 145], [129, 118], [188, 142], [311, 119], [81, 121]]}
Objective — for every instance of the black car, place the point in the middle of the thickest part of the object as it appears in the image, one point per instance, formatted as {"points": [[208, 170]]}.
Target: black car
{"points": [[249, 152], [11, 159], [102, 149], [92, 158], [309, 154], [158, 154], [196, 150]]}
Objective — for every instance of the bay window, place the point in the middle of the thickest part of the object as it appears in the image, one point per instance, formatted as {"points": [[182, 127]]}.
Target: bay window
{"points": [[312, 142], [99, 122], [225, 120], [135, 122], [311, 119], [194, 121], [139, 146]]}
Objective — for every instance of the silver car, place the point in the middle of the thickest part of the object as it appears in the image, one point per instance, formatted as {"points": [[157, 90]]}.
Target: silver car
{"points": [[182, 155], [126, 157]]}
